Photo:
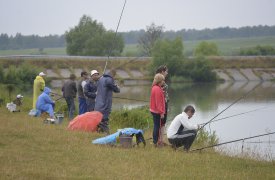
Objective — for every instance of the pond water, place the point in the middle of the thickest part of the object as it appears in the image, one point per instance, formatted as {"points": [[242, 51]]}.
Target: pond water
{"points": [[258, 110]]}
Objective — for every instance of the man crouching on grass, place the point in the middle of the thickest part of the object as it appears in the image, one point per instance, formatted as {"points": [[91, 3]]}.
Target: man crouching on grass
{"points": [[181, 131]]}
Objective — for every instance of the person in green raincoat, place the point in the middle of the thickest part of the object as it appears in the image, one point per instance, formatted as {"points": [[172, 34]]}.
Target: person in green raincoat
{"points": [[38, 87]]}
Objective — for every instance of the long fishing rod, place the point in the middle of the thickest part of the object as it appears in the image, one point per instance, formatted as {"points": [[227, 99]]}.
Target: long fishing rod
{"points": [[131, 99], [236, 115], [199, 149], [113, 41], [130, 61], [237, 100]]}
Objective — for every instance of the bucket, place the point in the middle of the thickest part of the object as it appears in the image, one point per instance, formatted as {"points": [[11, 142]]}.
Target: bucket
{"points": [[125, 141], [59, 118]]}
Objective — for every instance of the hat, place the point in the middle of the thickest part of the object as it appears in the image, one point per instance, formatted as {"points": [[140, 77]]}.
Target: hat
{"points": [[42, 74], [19, 96], [94, 72]]}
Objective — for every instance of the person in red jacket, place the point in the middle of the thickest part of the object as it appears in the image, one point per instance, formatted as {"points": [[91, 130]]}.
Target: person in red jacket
{"points": [[157, 106]]}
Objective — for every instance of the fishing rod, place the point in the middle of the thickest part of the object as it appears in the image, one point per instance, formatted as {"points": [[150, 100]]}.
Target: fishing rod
{"points": [[237, 100], [56, 94], [113, 41], [242, 139], [59, 98], [235, 115], [131, 99], [259, 142], [131, 60]]}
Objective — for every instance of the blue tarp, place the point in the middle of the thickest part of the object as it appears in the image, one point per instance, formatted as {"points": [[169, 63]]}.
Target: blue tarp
{"points": [[111, 139]]}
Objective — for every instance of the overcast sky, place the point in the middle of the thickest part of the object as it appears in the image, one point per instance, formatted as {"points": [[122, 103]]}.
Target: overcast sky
{"points": [[44, 17]]}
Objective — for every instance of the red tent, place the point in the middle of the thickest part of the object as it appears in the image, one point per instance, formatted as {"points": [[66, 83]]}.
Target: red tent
{"points": [[86, 122]]}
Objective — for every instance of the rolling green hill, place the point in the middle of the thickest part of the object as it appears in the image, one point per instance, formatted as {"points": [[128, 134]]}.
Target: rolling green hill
{"points": [[226, 47]]}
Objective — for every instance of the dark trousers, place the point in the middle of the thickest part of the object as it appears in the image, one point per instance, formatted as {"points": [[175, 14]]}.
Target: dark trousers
{"points": [[104, 126], [71, 107], [82, 105], [183, 138], [90, 104], [163, 121], [156, 130]]}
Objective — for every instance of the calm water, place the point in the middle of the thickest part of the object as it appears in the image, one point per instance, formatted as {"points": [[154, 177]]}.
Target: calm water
{"points": [[210, 99]]}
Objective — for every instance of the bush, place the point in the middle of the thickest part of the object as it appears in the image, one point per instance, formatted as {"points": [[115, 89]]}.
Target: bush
{"points": [[258, 51], [206, 49], [136, 118], [205, 138], [20, 76], [199, 70]]}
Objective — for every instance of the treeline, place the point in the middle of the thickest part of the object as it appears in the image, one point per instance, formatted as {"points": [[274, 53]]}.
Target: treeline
{"points": [[20, 41], [132, 37]]}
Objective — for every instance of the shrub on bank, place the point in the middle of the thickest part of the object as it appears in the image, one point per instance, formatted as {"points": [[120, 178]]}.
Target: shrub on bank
{"points": [[138, 118]]}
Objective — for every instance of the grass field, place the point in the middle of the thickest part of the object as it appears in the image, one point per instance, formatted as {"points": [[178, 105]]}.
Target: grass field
{"points": [[30, 149], [226, 47], [47, 51]]}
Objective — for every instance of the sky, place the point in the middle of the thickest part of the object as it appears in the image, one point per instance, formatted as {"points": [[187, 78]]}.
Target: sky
{"points": [[44, 17]]}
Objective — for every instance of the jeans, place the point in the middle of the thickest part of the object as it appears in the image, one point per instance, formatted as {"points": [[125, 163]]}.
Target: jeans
{"points": [[71, 107], [156, 130], [82, 105]]}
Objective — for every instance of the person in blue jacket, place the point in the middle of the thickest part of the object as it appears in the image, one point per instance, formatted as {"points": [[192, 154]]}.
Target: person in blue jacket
{"points": [[103, 102], [90, 90], [45, 103]]}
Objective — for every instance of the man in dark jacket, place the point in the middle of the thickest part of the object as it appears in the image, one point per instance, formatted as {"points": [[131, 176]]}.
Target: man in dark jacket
{"points": [[103, 103], [69, 93], [80, 91], [90, 90]]}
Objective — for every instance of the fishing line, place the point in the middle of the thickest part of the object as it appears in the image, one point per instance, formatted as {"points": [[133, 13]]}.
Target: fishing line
{"points": [[131, 99], [236, 115], [113, 41], [237, 100], [242, 139]]}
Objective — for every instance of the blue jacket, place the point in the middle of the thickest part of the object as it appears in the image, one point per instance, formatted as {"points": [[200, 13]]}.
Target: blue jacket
{"points": [[105, 88], [90, 89], [44, 99]]}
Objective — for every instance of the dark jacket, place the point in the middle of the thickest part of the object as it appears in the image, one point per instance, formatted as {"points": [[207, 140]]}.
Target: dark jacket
{"points": [[105, 88], [69, 89], [80, 91], [90, 89]]}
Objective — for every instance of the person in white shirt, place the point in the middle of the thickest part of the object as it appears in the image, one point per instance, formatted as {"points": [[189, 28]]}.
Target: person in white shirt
{"points": [[181, 131]]}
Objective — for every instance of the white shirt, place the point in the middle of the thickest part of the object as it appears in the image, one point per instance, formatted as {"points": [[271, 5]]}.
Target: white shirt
{"points": [[181, 119], [83, 83]]}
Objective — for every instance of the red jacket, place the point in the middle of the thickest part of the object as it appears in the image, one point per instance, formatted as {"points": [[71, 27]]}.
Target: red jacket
{"points": [[157, 101]]}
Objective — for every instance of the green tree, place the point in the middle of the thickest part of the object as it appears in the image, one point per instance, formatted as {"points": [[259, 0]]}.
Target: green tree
{"points": [[91, 38], [206, 49], [198, 69], [147, 41], [170, 53]]}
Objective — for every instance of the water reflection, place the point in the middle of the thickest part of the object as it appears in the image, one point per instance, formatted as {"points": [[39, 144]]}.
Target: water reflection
{"points": [[210, 99]]}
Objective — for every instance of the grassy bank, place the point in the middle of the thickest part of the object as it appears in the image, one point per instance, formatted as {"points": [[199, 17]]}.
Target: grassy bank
{"points": [[30, 149]]}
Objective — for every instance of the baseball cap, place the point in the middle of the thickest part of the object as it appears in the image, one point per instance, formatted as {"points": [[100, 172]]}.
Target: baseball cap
{"points": [[94, 72], [42, 74], [19, 96]]}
